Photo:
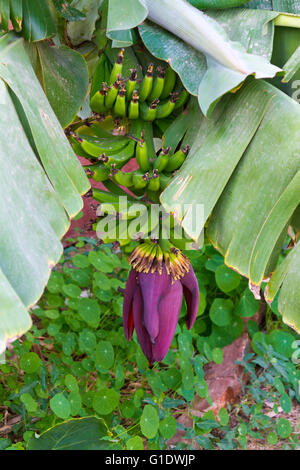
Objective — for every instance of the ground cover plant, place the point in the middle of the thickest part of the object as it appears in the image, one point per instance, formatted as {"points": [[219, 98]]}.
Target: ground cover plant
{"points": [[75, 373], [178, 121]]}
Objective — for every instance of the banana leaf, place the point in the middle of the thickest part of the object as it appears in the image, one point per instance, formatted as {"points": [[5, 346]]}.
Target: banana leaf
{"points": [[41, 182], [250, 183], [32, 19]]}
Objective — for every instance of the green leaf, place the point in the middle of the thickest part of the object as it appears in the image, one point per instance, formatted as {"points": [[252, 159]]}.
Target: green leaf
{"points": [[89, 311], [149, 422], [226, 279], [284, 428], [221, 312], [60, 406], [105, 354], [71, 290], [105, 401], [29, 403], [123, 15], [247, 305], [167, 427], [286, 403], [71, 383], [64, 78], [30, 363], [289, 6], [80, 31], [135, 443], [75, 434], [292, 66], [272, 438], [223, 417], [32, 19], [217, 355], [75, 403], [68, 12], [226, 63]]}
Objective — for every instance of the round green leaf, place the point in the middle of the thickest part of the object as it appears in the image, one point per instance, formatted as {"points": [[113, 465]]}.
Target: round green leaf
{"points": [[167, 427], [284, 428], [30, 362], [80, 261], [135, 443], [227, 279], [75, 403], [29, 403], [104, 354], [105, 401], [221, 312], [223, 417], [286, 403], [201, 388], [149, 421], [217, 355], [248, 305], [71, 290], [272, 438], [171, 378], [60, 406], [282, 342]]}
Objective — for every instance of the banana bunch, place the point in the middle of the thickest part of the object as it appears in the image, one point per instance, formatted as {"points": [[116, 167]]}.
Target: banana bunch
{"points": [[152, 98], [123, 127]]}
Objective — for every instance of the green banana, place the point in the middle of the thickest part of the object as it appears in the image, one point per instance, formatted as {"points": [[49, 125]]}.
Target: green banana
{"points": [[117, 68], [147, 84], [162, 160], [112, 94], [131, 84], [134, 111], [141, 154], [164, 110], [122, 178], [105, 196], [177, 159], [154, 182], [97, 102], [182, 99], [148, 113], [120, 158], [170, 80], [120, 104], [158, 85], [99, 172], [95, 147]]}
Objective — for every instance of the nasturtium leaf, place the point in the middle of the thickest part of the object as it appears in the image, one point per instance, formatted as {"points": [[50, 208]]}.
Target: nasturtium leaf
{"points": [[75, 434], [82, 277], [223, 417], [89, 311], [135, 443], [286, 402], [80, 261], [284, 428], [104, 354], [71, 290], [87, 341], [71, 383], [167, 427], [105, 401], [55, 282], [127, 409], [221, 312], [282, 342], [52, 314], [247, 305], [272, 438], [201, 388], [29, 403], [217, 355], [75, 403], [30, 363], [227, 279], [60, 406], [187, 377], [149, 421], [100, 261], [171, 378]]}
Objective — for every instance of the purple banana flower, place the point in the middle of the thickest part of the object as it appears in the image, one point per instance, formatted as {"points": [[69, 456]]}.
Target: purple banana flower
{"points": [[152, 304]]}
